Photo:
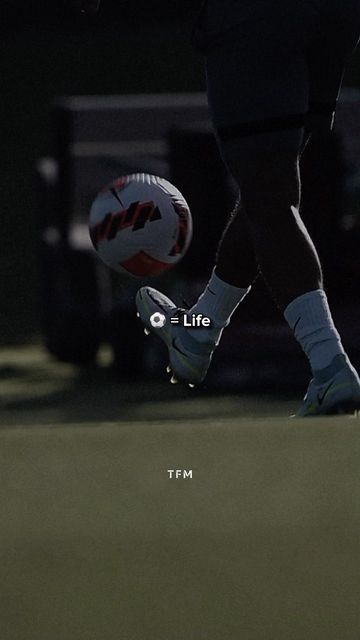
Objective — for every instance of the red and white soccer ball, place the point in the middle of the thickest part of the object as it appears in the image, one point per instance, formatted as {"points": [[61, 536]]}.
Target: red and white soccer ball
{"points": [[140, 225]]}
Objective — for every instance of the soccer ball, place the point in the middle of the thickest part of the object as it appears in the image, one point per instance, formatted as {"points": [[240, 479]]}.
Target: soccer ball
{"points": [[140, 225]]}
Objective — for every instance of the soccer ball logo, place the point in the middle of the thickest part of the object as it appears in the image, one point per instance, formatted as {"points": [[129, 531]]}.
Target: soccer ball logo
{"points": [[157, 320]]}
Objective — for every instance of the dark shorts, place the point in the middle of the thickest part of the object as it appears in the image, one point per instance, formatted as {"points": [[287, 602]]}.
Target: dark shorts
{"points": [[275, 64]]}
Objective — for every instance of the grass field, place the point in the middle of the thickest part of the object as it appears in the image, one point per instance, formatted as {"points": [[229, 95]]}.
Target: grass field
{"points": [[97, 542]]}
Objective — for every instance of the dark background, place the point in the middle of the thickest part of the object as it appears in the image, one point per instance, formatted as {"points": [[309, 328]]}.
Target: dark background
{"points": [[46, 51]]}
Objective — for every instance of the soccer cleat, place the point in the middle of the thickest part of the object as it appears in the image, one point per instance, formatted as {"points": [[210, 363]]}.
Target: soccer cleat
{"points": [[189, 358], [340, 394]]}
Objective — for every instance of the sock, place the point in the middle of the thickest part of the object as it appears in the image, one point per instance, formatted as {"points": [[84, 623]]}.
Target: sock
{"points": [[218, 302], [310, 318]]}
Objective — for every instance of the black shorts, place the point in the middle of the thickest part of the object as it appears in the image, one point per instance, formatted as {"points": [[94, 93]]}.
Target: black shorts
{"points": [[275, 63]]}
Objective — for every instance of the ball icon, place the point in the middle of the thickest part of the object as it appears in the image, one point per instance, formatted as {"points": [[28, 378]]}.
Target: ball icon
{"points": [[157, 320]]}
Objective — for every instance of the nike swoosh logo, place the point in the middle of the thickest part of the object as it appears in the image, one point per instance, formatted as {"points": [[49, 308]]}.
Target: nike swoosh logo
{"points": [[321, 396], [116, 195]]}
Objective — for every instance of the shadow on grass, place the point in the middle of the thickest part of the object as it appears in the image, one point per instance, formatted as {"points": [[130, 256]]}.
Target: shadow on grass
{"points": [[36, 390]]}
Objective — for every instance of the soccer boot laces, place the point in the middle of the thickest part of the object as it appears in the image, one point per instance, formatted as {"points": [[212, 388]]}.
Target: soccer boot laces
{"points": [[340, 394], [189, 359]]}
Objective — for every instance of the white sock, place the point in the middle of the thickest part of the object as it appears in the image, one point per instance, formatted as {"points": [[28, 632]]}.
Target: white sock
{"points": [[310, 318], [218, 302]]}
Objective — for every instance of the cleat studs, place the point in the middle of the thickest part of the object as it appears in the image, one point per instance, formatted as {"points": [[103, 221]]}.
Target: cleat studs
{"points": [[174, 380], [168, 369], [146, 331]]}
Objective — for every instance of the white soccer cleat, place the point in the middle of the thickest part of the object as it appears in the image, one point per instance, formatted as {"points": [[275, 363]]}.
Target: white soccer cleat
{"points": [[189, 358], [340, 394]]}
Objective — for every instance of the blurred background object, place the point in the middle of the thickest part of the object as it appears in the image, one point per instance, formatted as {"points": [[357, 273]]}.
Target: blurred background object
{"points": [[48, 51]]}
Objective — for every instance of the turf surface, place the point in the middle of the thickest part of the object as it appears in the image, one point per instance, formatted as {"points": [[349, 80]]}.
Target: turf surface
{"points": [[97, 542]]}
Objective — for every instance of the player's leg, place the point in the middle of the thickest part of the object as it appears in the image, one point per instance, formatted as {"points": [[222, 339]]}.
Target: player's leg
{"points": [[236, 244], [266, 167], [336, 386], [267, 172], [236, 261], [283, 248]]}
